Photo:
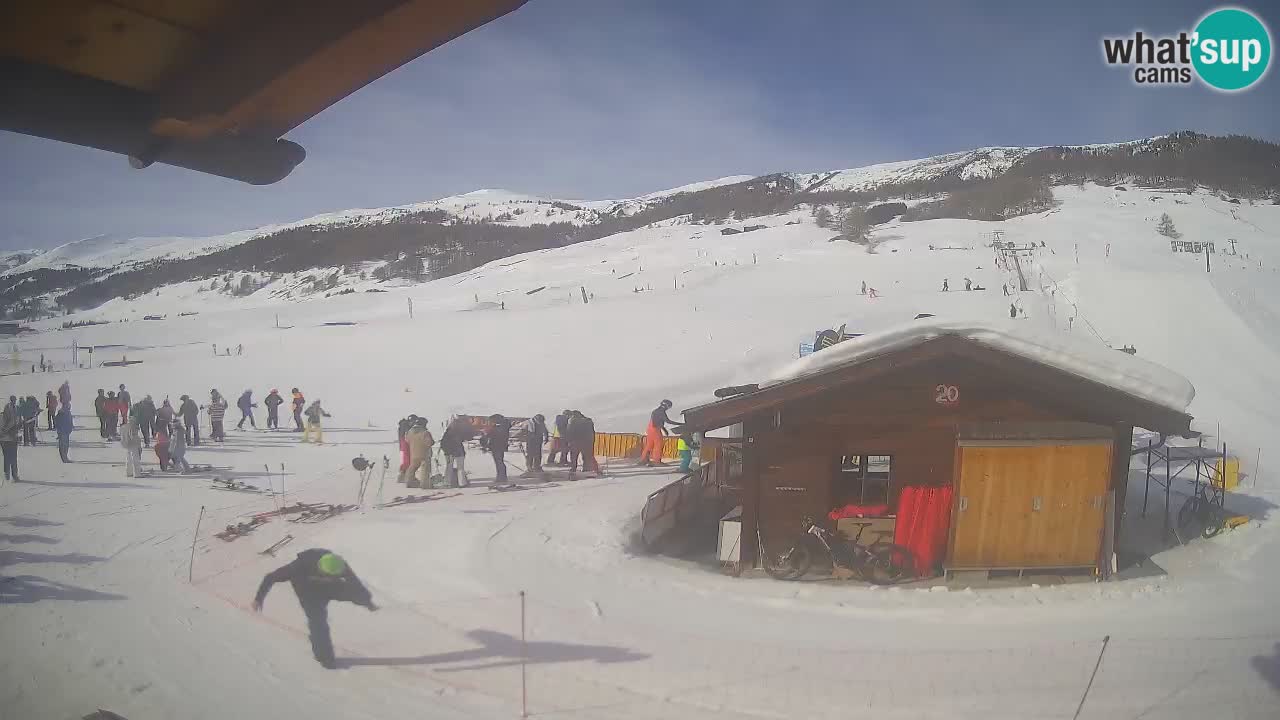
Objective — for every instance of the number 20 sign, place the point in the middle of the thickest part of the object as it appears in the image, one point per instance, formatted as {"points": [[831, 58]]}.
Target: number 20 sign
{"points": [[946, 394]]}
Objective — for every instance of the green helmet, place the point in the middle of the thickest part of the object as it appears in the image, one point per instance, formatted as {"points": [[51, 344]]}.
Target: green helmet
{"points": [[331, 564]]}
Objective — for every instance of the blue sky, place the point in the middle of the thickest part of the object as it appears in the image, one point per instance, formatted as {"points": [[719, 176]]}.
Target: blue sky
{"points": [[594, 99]]}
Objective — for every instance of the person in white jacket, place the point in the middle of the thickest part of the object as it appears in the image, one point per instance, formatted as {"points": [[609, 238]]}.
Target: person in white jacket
{"points": [[131, 440]]}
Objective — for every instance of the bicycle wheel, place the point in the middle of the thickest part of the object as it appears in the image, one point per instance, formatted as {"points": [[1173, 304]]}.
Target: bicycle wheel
{"points": [[1211, 520], [888, 563], [1189, 512], [790, 565]]}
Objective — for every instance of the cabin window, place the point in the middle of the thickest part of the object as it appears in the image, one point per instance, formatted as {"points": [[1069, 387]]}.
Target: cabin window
{"points": [[862, 480]]}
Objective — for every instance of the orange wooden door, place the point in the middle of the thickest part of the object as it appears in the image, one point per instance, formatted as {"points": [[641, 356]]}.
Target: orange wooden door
{"points": [[1030, 506]]}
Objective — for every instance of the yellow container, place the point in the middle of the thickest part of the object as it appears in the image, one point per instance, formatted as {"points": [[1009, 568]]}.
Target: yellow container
{"points": [[1232, 474]]}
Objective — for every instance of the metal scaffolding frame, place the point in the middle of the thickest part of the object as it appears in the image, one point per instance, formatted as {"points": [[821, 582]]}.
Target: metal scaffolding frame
{"points": [[1190, 456]]}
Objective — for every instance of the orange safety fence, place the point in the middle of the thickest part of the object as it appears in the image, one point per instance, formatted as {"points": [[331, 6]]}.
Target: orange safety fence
{"points": [[625, 445]]}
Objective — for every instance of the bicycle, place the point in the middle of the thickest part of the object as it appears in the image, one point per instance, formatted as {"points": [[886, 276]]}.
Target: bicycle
{"points": [[880, 562], [1203, 512]]}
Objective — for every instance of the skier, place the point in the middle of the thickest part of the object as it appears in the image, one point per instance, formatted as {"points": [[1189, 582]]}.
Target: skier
{"points": [[559, 440], [162, 446], [63, 424], [217, 411], [165, 415], [968, 284], [455, 453], [318, 577], [1013, 310], [495, 442], [535, 438], [64, 394], [178, 448], [1005, 288], [314, 414], [239, 350], [30, 411], [655, 434], [945, 286], [246, 405], [420, 444], [112, 406], [298, 404], [50, 406], [864, 288], [100, 407], [273, 402], [10, 428], [125, 401], [190, 419], [144, 412], [131, 441], [582, 442]]}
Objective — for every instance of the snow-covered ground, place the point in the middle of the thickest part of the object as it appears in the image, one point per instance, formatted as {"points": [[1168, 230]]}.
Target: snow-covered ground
{"points": [[100, 611]]}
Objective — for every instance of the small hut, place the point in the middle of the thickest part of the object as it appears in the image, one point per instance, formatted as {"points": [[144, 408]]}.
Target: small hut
{"points": [[1022, 437]]}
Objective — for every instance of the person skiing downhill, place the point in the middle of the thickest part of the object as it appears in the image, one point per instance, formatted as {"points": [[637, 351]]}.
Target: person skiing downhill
{"points": [[246, 405], [273, 402], [655, 434], [318, 577], [190, 413], [298, 404]]}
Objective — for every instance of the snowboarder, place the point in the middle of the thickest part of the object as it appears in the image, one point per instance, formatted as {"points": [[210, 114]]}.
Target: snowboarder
{"points": [[420, 444], [63, 424], [190, 413], [314, 414], [50, 406], [125, 401], [100, 407], [655, 434], [559, 440], [496, 442], [246, 405], [10, 429], [1013, 310], [535, 438], [217, 411], [582, 442], [273, 402], [162, 446], [318, 577], [131, 441], [455, 453], [298, 404], [945, 286]]}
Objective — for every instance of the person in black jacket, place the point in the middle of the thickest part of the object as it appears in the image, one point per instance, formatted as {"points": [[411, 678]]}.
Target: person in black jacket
{"points": [[273, 403], [190, 413], [535, 438], [496, 442], [318, 577], [100, 408], [455, 452]]}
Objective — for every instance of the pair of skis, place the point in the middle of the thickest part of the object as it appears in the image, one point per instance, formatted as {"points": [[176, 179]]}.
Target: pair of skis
{"points": [[416, 499], [321, 514]]}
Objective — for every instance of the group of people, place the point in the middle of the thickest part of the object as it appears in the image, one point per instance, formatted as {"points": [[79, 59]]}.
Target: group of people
{"points": [[20, 419]]}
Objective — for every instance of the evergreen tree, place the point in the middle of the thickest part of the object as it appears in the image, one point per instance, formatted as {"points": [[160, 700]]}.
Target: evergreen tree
{"points": [[822, 216], [1165, 227], [853, 224]]}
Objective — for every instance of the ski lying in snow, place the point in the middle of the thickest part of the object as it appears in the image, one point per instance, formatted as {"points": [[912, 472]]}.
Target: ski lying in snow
{"points": [[321, 514], [289, 510], [277, 545], [513, 486], [239, 530], [414, 499], [237, 486]]}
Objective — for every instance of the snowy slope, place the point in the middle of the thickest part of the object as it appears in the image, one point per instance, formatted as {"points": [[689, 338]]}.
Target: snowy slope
{"points": [[98, 597]]}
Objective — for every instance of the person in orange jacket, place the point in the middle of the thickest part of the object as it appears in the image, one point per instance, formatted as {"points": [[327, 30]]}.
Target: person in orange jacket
{"points": [[655, 434]]}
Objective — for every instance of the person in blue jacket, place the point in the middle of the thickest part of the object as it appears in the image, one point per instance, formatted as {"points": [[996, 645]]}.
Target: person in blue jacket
{"points": [[63, 424]]}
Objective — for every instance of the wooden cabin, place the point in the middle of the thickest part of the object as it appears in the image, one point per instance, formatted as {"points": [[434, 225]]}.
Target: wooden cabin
{"points": [[1036, 455]]}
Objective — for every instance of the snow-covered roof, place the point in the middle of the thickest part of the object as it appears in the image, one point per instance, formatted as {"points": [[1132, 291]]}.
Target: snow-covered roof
{"points": [[1072, 354]]}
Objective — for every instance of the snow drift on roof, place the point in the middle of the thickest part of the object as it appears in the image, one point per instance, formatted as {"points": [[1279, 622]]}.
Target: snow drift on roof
{"points": [[1068, 353]]}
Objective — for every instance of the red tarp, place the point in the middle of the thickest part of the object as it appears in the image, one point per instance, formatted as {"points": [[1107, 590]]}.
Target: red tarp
{"points": [[853, 510], [924, 518]]}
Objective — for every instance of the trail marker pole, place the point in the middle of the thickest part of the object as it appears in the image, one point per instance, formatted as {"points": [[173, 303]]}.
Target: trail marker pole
{"points": [[1097, 665], [524, 659], [284, 498], [194, 538]]}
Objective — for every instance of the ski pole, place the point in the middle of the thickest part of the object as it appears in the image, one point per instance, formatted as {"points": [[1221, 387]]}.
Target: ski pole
{"points": [[194, 538], [284, 498], [386, 463]]}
